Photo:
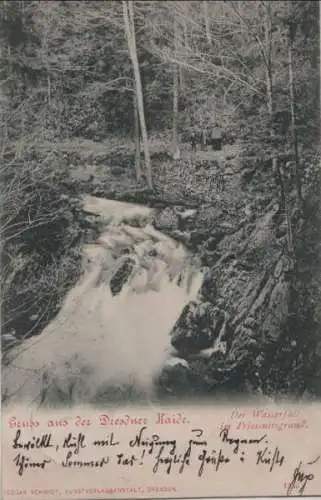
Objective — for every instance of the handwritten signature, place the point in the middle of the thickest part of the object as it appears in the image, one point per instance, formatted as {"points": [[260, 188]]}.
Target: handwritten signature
{"points": [[300, 478]]}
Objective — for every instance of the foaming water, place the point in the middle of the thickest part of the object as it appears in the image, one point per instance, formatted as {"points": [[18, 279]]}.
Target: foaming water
{"points": [[100, 339]]}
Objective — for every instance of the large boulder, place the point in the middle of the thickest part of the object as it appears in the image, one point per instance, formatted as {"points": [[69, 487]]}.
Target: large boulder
{"points": [[167, 220], [197, 328], [208, 216], [277, 311], [174, 380], [208, 289], [121, 275], [186, 219]]}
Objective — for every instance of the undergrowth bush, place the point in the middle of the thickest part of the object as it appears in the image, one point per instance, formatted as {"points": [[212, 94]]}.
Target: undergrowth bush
{"points": [[41, 237]]}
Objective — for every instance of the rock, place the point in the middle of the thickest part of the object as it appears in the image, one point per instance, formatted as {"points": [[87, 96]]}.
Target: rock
{"points": [[8, 340], [208, 288], [176, 361], [207, 217], [98, 191], [186, 219], [318, 350], [233, 242], [213, 353], [209, 259], [264, 233], [139, 220], [121, 276], [278, 269], [250, 323], [199, 236], [276, 313], [213, 241], [167, 220], [182, 236], [232, 368], [248, 212], [197, 328], [226, 228], [200, 377], [243, 336], [215, 236], [207, 353], [308, 397], [242, 354], [188, 214], [247, 176], [117, 171], [281, 229], [174, 379]]}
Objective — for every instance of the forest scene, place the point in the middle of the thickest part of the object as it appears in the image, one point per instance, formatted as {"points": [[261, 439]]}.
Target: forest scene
{"points": [[160, 219]]}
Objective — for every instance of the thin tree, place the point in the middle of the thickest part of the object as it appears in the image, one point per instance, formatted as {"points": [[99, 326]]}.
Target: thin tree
{"points": [[278, 172], [291, 35], [176, 149], [207, 24], [137, 139], [184, 8], [128, 14]]}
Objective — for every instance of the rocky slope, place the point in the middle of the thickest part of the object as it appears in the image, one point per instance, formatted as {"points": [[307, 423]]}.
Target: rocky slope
{"points": [[242, 307]]}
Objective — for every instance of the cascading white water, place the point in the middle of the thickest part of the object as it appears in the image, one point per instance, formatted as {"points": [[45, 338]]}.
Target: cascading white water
{"points": [[99, 339]]}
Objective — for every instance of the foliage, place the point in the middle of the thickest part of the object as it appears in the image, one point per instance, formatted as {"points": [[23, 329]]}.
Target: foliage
{"points": [[40, 241], [39, 228]]}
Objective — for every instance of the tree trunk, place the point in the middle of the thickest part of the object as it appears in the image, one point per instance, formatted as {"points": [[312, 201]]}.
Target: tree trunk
{"points": [[293, 119], [275, 164], [176, 149], [137, 139], [184, 43], [48, 88], [269, 95], [22, 116], [131, 40], [284, 205], [289, 229], [181, 79], [207, 25], [185, 28]]}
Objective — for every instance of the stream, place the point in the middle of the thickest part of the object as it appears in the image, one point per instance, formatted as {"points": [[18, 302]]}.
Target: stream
{"points": [[112, 334]]}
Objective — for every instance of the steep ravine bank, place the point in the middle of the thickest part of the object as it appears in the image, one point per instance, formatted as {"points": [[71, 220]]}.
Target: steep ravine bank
{"points": [[241, 311], [259, 307], [297, 360]]}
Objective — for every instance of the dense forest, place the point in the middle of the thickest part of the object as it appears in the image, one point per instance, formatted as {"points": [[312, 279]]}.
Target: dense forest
{"points": [[105, 98]]}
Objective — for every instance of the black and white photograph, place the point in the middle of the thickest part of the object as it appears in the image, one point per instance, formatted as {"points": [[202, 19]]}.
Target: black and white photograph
{"points": [[160, 202]]}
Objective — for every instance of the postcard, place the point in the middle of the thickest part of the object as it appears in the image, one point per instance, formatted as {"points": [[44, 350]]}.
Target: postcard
{"points": [[161, 249]]}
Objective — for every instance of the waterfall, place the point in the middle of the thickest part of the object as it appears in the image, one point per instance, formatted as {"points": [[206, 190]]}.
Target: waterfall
{"points": [[110, 332]]}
